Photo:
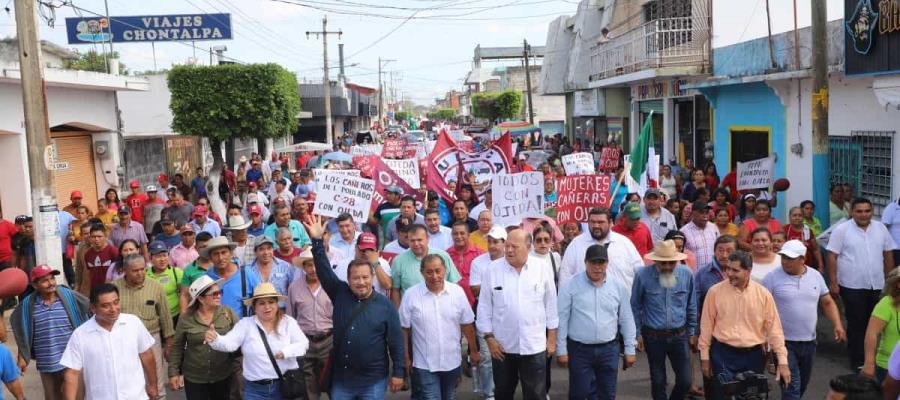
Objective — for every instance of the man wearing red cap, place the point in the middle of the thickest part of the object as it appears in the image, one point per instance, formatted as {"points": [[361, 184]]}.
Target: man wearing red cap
{"points": [[367, 249], [75, 199], [202, 223], [42, 324], [257, 224], [136, 200]]}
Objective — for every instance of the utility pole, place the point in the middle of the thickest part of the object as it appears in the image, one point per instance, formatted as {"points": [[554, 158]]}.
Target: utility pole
{"points": [[41, 153], [527, 49], [819, 110], [381, 62], [326, 82]]}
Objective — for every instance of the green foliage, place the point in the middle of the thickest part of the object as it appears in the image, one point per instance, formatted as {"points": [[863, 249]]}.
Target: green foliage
{"points": [[497, 105], [402, 115], [234, 101], [443, 114], [94, 61]]}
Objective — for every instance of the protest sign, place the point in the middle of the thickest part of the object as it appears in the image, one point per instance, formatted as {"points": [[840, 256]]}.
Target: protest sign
{"points": [[365, 164], [319, 172], [609, 158], [756, 174], [385, 177], [578, 164], [366, 150], [408, 170], [339, 193], [394, 148], [517, 196], [576, 195]]}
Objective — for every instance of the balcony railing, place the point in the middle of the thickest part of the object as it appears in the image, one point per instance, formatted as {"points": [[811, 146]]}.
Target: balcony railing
{"points": [[664, 42]]}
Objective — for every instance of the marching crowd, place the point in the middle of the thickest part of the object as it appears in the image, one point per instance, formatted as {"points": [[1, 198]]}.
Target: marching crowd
{"points": [[271, 301]]}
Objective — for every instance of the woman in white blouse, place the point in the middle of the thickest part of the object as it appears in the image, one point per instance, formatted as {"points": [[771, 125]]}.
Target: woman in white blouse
{"points": [[282, 333]]}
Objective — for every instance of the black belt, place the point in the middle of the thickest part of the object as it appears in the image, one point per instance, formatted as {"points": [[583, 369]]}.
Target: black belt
{"points": [[319, 337], [663, 332], [741, 349], [264, 381], [616, 340]]}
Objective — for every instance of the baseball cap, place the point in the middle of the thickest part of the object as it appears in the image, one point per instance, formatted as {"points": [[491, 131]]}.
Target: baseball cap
{"points": [[157, 247], [652, 192], [252, 185], [632, 211], [793, 249], [41, 271], [596, 253], [700, 205], [497, 232], [166, 221], [21, 219], [134, 184], [124, 210], [395, 189], [304, 172], [199, 210], [76, 194], [163, 177], [261, 241], [187, 228], [254, 209], [150, 188], [367, 241]]}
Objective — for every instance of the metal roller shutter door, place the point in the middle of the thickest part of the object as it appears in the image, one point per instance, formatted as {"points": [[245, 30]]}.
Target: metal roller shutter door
{"points": [[78, 151]]}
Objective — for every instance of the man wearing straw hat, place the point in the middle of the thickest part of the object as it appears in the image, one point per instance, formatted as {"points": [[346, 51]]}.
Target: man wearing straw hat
{"points": [[664, 305], [309, 304], [238, 281]]}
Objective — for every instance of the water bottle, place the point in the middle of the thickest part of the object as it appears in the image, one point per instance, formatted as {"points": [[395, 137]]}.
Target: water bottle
{"points": [[476, 376]]}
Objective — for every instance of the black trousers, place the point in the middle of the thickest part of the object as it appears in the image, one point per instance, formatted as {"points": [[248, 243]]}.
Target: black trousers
{"points": [[530, 369], [207, 391], [858, 305]]}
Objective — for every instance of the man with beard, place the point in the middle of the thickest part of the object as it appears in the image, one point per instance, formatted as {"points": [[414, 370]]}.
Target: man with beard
{"points": [[624, 258], [739, 319], [664, 305]]}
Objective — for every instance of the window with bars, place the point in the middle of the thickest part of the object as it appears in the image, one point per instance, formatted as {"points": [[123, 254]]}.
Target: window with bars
{"points": [[863, 160]]}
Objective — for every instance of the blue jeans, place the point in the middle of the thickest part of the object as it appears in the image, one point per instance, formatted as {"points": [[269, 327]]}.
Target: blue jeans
{"points": [[527, 368], [726, 362], [800, 360], [254, 391], [341, 390], [485, 369], [436, 385], [675, 348], [593, 370]]}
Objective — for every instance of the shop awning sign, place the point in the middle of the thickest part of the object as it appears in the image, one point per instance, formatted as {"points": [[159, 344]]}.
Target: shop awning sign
{"points": [[149, 28]]}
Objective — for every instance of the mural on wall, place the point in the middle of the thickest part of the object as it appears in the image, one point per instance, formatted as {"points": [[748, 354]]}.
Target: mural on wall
{"points": [[861, 26]]}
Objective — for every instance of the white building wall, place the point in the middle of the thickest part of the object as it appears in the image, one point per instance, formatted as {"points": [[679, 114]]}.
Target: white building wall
{"points": [[147, 113]]}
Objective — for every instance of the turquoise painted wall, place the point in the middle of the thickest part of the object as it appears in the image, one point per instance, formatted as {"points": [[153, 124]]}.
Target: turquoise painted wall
{"points": [[750, 104]]}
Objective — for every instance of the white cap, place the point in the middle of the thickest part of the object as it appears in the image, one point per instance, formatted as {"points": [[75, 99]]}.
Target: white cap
{"points": [[793, 249], [497, 232]]}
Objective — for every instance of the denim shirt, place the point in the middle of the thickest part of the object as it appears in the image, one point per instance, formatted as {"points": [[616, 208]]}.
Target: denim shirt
{"points": [[706, 277], [662, 309]]}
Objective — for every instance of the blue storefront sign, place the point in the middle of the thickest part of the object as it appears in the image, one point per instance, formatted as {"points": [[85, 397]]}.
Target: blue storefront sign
{"points": [[149, 28]]}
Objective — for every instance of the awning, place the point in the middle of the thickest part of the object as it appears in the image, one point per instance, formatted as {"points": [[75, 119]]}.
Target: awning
{"points": [[305, 146], [887, 91]]}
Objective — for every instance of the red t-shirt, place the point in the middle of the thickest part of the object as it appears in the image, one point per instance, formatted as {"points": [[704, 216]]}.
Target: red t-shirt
{"points": [[7, 231], [288, 258], [136, 203], [463, 262], [640, 236], [98, 262]]}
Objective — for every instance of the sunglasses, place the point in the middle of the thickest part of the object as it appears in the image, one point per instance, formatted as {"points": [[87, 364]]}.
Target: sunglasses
{"points": [[217, 293]]}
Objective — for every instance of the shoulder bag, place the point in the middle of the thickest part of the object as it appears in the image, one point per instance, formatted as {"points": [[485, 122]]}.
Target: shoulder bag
{"points": [[293, 382], [323, 379]]}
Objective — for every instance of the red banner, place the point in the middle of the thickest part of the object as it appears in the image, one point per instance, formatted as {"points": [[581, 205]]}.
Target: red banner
{"points": [[609, 158], [394, 148], [365, 164], [384, 178], [578, 194], [448, 161]]}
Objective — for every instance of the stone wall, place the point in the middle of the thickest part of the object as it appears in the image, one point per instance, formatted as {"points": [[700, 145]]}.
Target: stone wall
{"points": [[145, 159]]}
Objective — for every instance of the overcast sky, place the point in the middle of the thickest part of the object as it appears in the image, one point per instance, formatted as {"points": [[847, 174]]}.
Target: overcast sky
{"points": [[433, 49]]}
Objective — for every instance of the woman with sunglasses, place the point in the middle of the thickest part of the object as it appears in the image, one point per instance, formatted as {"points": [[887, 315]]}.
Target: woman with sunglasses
{"points": [[204, 373]]}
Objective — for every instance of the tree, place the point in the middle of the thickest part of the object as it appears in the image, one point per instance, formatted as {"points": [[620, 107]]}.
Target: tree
{"points": [[497, 105], [402, 116], [232, 101], [94, 61]]}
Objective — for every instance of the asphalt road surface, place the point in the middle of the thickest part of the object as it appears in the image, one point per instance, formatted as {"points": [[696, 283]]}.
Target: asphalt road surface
{"points": [[633, 384]]}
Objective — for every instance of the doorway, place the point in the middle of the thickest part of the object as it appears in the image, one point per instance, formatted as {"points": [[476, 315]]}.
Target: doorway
{"points": [[749, 143]]}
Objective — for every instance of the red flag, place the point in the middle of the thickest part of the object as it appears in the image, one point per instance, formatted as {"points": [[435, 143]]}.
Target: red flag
{"points": [[448, 161], [384, 178]]}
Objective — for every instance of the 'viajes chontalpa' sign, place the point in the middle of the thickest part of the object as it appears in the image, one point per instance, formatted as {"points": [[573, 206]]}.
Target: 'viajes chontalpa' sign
{"points": [[149, 28]]}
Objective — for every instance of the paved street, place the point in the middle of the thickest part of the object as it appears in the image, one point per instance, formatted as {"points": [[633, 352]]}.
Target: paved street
{"points": [[634, 384]]}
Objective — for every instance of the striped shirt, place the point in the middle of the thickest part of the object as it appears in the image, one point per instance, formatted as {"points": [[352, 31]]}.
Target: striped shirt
{"points": [[52, 330]]}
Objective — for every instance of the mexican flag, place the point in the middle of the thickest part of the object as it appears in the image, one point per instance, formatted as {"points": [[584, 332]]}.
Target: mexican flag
{"points": [[644, 169]]}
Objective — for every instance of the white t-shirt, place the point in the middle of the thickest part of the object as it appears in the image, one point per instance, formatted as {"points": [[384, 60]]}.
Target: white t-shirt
{"points": [[760, 270]]}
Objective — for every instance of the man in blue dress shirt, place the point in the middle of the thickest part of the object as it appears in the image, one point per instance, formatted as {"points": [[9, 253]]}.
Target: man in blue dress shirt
{"points": [[664, 305], [593, 310]]}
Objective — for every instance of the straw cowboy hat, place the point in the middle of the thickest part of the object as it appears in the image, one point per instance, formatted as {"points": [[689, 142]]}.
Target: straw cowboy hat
{"points": [[199, 286], [215, 243], [264, 290], [666, 251]]}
